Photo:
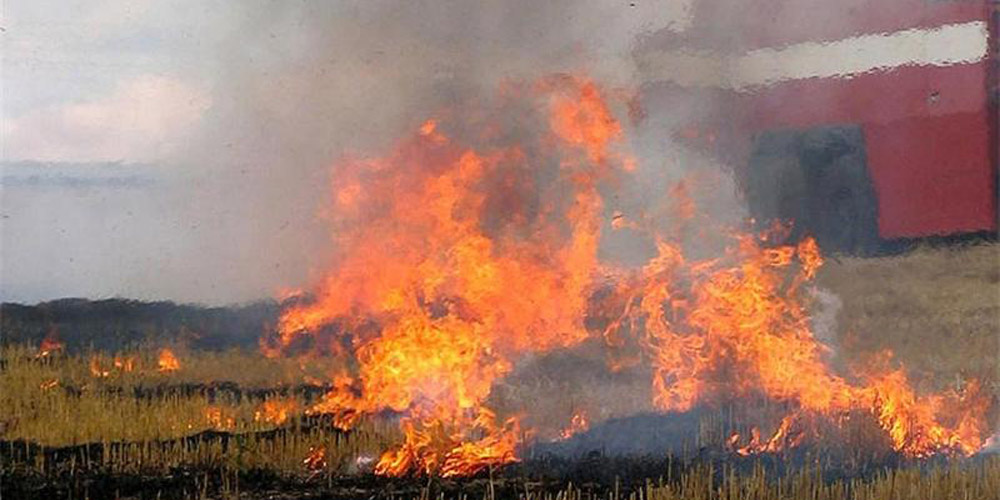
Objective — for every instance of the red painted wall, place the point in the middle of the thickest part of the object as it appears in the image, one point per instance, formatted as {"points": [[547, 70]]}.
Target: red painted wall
{"points": [[928, 137], [930, 131], [933, 174]]}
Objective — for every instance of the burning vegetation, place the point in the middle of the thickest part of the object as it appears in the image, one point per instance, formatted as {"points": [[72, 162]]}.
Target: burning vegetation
{"points": [[50, 345], [521, 296], [167, 361], [475, 244]]}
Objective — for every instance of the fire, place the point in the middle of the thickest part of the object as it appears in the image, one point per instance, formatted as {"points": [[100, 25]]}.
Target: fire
{"points": [[125, 364], [467, 248], [275, 411], [96, 369], [433, 305], [49, 346], [219, 418], [432, 446], [119, 364], [315, 460], [789, 434], [577, 424], [167, 361], [739, 328]]}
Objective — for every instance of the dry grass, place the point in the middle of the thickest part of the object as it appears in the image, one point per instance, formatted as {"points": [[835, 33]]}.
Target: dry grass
{"points": [[937, 309], [979, 482], [139, 418]]}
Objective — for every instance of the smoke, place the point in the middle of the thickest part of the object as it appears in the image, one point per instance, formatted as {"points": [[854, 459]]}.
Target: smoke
{"points": [[300, 86], [826, 308], [235, 214], [992, 445], [232, 214]]}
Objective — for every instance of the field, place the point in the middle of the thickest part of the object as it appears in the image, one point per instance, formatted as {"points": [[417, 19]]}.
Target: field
{"points": [[938, 309], [211, 417]]}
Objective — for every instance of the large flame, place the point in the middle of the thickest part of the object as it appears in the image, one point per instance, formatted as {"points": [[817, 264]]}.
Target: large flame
{"points": [[737, 327], [475, 244]]}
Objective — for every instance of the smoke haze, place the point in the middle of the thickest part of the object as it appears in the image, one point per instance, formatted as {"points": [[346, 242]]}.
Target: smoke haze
{"points": [[235, 149]]}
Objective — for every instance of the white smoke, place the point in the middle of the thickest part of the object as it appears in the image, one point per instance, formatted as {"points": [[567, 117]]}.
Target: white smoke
{"points": [[292, 88], [826, 308]]}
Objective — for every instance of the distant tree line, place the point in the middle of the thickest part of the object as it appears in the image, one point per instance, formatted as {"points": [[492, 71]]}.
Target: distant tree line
{"points": [[115, 324]]}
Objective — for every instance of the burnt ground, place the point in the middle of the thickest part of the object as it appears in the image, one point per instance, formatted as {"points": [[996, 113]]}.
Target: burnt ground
{"points": [[591, 462], [596, 474]]}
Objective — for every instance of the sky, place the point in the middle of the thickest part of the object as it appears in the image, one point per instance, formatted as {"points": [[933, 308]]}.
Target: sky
{"points": [[180, 149]]}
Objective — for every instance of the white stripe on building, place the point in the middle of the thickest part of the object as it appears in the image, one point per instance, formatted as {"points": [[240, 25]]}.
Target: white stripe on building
{"points": [[942, 46]]}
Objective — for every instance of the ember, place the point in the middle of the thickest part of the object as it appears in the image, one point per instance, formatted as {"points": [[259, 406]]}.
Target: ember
{"points": [[316, 459], [219, 418]]}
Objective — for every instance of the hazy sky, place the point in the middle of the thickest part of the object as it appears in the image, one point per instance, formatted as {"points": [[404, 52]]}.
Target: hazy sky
{"points": [[179, 149]]}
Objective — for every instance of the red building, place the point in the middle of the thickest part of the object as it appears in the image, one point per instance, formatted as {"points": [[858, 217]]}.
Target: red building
{"points": [[860, 120]]}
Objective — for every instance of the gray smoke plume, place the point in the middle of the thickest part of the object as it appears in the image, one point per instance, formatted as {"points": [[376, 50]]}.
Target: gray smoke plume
{"points": [[300, 87], [231, 214]]}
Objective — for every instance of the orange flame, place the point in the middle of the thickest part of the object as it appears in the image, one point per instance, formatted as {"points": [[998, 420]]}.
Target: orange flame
{"points": [[219, 418], [315, 460], [424, 293], [95, 368], [454, 262], [49, 345], [167, 361], [741, 329], [275, 411], [125, 364], [120, 364], [577, 424]]}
